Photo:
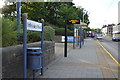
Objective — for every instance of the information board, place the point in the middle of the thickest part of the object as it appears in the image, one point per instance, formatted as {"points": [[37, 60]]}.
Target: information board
{"points": [[73, 21], [69, 39], [34, 26]]}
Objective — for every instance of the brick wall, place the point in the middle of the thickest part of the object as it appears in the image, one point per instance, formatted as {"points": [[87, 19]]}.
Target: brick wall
{"points": [[12, 59]]}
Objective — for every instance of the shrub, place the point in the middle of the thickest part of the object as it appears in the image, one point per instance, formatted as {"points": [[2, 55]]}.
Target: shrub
{"points": [[9, 36], [33, 36], [49, 33], [9, 39], [61, 31]]}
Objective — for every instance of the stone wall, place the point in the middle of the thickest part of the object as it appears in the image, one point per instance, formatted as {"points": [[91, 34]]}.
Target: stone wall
{"points": [[12, 59], [58, 39]]}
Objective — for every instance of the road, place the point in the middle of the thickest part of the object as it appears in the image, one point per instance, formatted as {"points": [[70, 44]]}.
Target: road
{"points": [[111, 46]]}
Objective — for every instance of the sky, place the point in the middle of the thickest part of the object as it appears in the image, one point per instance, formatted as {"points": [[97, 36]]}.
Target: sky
{"points": [[101, 12], [1, 3]]}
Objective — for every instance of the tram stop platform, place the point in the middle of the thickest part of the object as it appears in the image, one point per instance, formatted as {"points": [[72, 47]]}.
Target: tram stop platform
{"points": [[90, 61]]}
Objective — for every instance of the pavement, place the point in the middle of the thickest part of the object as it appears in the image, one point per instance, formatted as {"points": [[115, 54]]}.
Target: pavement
{"points": [[91, 61]]}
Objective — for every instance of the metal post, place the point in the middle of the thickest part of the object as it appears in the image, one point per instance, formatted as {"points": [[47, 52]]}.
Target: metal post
{"points": [[85, 34], [65, 49], [33, 74], [80, 36], [77, 38], [25, 44], [83, 16], [74, 39], [42, 46], [18, 18]]}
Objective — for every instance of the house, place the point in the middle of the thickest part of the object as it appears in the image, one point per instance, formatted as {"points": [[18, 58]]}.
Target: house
{"points": [[116, 30], [110, 29], [104, 30], [107, 30]]}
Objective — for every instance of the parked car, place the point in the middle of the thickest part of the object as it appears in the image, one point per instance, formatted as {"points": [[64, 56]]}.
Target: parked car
{"points": [[115, 38], [99, 36]]}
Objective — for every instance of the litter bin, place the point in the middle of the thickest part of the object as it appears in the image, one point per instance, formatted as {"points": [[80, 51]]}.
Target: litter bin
{"points": [[34, 58]]}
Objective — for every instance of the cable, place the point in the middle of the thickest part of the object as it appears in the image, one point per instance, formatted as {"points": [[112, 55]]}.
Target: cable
{"points": [[111, 4]]}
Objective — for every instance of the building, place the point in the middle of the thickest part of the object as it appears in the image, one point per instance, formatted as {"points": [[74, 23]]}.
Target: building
{"points": [[107, 30], [116, 30], [110, 30], [119, 12], [104, 30]]}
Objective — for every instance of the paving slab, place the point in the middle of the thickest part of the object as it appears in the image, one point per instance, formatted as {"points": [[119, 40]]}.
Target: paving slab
{"points": [[80, 63]]}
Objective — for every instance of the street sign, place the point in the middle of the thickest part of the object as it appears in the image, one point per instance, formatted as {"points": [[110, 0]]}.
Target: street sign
{"points": [[73, 21], [34, 26]]}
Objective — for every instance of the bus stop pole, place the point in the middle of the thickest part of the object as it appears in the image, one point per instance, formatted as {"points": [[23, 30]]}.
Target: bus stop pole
{"points": [[65, 49], [25, 44]]}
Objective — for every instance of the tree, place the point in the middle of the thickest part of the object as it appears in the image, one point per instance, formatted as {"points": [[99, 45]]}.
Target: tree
{"points": [[9, 11], [53, 12]]}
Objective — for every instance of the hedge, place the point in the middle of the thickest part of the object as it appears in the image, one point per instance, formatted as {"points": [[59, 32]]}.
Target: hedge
{"points": [[9, 34], [61, 31]]}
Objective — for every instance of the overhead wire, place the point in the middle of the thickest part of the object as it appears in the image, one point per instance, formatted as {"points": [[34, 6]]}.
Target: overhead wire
{"points": [[107, 10]]}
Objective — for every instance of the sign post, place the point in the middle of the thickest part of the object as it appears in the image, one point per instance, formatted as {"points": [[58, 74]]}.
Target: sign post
{"points": [[42, 45], [33, 57], [25, 44], [67, 22], [65, 55]]}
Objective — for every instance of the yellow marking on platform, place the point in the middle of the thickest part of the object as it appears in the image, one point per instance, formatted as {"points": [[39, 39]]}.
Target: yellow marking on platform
{"points": [[108, 53]]}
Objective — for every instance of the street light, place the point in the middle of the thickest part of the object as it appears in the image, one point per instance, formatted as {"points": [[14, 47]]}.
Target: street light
{"points": [[18, 18], [83, 14], [84, 11]]}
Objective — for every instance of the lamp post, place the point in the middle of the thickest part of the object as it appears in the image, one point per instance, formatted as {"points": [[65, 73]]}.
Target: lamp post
{"points": [[18, 18], [83, 15]]}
